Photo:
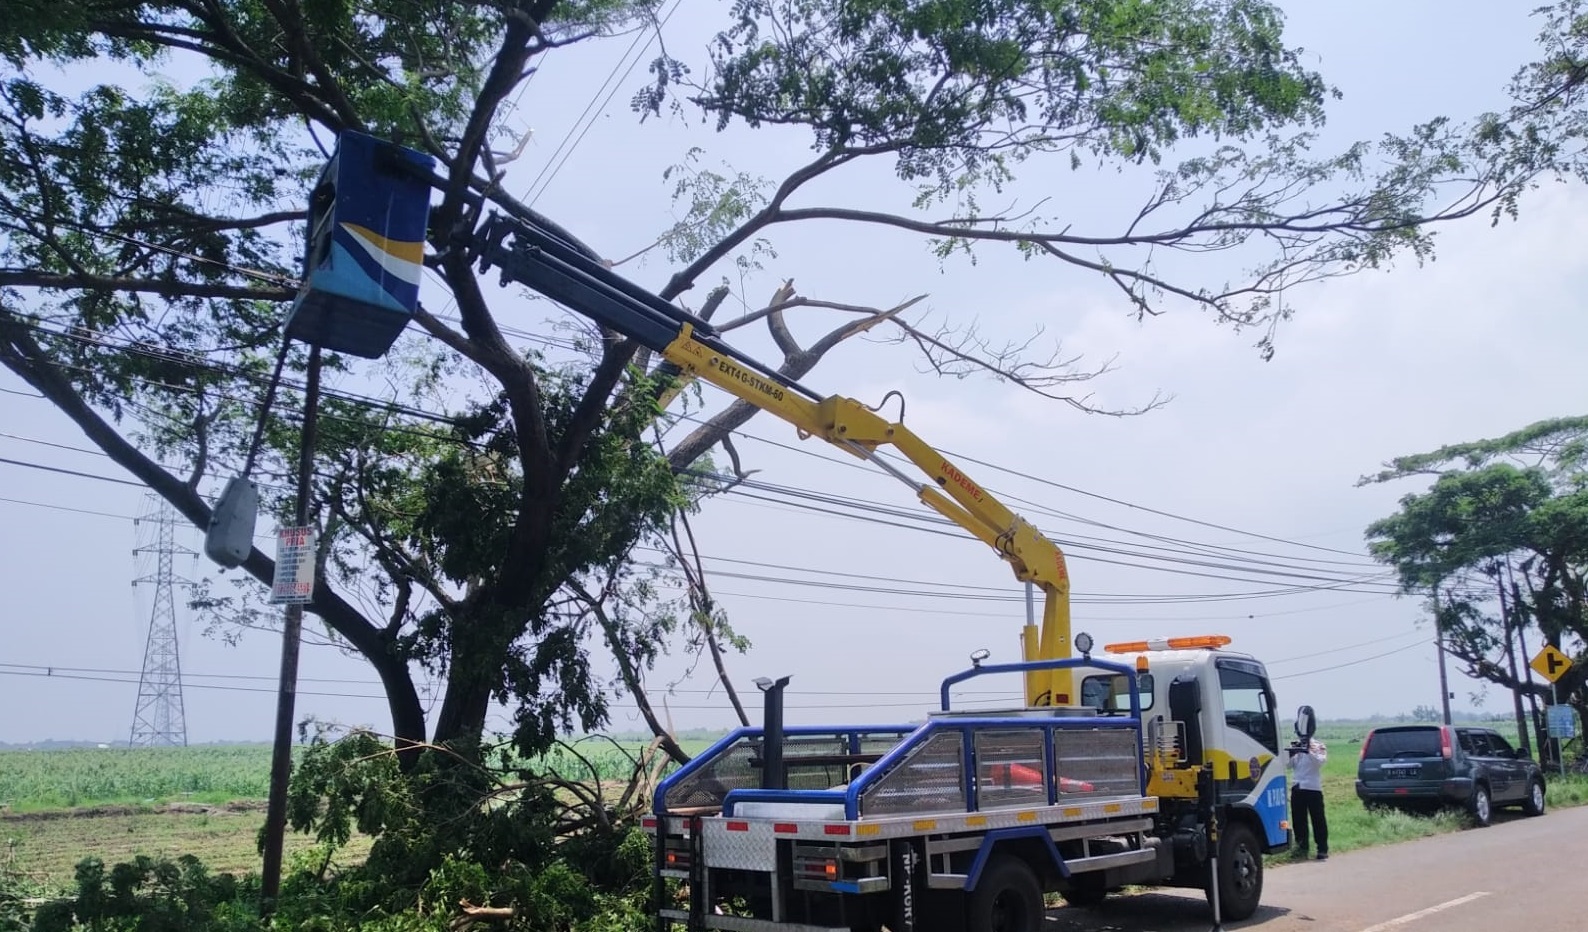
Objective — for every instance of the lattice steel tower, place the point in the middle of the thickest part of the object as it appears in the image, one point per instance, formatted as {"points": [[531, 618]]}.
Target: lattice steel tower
{"points": [[158, 718]]}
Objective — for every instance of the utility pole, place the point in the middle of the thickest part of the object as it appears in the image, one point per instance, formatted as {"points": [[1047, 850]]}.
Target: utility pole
{"points": [[291, 634], [1439, 643], [157, 717], [1444, 681]]}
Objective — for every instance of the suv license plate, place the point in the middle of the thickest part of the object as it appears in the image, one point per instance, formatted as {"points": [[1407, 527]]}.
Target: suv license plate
{"points": [[1401, 772]]}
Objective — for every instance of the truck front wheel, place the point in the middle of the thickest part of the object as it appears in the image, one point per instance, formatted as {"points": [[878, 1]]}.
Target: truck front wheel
{"points": [[1240, 872], [1007, 898]]}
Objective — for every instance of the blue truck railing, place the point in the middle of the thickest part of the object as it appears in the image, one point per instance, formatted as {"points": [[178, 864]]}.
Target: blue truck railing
{"points": [[969, 781]]}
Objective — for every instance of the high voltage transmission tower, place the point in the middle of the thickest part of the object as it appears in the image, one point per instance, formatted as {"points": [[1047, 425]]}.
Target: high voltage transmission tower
{"points": [[158, 718]]}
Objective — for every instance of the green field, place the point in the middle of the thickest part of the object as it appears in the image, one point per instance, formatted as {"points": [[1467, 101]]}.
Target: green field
{"points": [[44, 848], [59, 806], [31, 781], [39, 781]]}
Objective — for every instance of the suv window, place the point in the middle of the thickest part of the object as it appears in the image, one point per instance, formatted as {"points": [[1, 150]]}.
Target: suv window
{"points": [[1476, 743], [1390, 743], [1499, 746]]}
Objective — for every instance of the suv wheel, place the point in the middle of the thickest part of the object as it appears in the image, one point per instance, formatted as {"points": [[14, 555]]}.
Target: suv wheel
{"points": [[1535, 798], [1481, 807]]}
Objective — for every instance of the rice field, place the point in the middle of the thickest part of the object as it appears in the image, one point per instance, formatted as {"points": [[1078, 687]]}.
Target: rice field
{"points": [[58, 806], [31, 781]]}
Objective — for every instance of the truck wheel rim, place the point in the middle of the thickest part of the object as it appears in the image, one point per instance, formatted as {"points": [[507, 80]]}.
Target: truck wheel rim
{"points": [[1009, 913], [1483, 806], [1538, 797], [1245, 870]]}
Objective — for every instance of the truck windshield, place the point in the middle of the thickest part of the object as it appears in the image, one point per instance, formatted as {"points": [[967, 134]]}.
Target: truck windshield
{"points": [[1248, 702]]}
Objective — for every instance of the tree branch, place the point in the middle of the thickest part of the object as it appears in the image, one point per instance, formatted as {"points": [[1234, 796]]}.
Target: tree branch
{"points": [[165, 288], [631, 676], [20, 353]]}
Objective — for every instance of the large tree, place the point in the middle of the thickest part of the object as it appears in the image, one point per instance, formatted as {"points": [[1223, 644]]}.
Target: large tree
{"points": [[1498, 544], [479, 534]]}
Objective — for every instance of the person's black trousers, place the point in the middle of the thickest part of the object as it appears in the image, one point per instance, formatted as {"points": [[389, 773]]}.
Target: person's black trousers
{"points": [[1305, 806]]}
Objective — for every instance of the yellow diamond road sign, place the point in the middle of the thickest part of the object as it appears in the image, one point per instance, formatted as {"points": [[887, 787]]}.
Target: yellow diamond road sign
{"points": [[1550, 663]]}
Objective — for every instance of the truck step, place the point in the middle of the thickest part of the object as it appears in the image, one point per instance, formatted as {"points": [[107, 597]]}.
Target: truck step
{"points": [[746, 924], [1096, 862]]}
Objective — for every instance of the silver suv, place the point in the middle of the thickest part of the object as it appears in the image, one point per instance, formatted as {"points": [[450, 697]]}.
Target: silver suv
{"points": [[1423, 767]]}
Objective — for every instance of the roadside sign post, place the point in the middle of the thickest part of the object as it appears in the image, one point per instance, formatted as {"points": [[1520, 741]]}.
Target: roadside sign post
{"points": [[1561, 722], [1554, 703], [1551, 664]]}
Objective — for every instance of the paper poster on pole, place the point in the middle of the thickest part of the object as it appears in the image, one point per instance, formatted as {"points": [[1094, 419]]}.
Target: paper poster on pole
{"points": [[294, 579]]}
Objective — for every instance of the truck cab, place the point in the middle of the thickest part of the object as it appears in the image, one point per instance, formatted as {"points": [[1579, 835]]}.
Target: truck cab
{"points": [[1213, 706]]}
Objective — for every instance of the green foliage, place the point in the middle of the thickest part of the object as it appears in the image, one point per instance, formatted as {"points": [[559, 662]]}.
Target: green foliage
{"points": [[715, 205], [587, 888], [148, 895], [15, 915], [454, 502], [950, 84], [1499, 541]]}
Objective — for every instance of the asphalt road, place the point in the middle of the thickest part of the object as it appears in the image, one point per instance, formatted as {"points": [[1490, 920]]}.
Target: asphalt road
{"points": [[1519, 873]]}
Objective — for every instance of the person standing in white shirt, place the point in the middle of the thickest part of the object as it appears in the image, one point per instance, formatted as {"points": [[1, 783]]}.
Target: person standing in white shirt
{"points": [[1306, 797]]}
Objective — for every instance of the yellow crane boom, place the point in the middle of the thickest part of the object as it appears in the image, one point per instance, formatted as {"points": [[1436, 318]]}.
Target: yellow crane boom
{"points": [[545, 262]]}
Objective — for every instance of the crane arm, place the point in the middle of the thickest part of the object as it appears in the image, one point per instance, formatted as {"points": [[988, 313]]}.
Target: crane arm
{"points": [[542, 261]]}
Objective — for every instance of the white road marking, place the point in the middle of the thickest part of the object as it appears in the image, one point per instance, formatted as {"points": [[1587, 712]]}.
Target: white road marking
{"points": [[1413, 917]]}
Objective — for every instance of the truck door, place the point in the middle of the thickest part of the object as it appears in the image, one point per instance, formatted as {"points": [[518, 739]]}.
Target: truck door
{"points": [[1249, 727], [1242, 726]]}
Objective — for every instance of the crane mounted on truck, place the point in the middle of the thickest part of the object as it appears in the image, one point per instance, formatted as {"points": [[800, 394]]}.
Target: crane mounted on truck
{"points": [[1163, 768]]}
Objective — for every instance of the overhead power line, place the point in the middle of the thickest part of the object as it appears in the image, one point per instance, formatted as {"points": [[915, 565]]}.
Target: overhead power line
{"points": [[1149, 510], [1314, 578], [70, 472], [553, 166], [1352, 663]]}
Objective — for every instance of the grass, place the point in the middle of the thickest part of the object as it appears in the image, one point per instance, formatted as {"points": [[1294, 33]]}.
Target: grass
{"points": [[45, 849], [1352, 825], [44, 781], [34, 781], [60, 806]]}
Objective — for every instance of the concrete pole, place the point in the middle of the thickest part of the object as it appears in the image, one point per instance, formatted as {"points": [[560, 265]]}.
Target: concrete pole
{"points": [[291, 635]]}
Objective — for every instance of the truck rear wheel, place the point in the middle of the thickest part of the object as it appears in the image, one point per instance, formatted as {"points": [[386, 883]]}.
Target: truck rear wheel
{"points": [[1007, 898], [1085, 890], [1240, 872]]}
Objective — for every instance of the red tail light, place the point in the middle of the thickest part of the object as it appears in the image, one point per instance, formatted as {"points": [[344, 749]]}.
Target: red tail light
{"points": [[1444, 741], [1362, 754]]}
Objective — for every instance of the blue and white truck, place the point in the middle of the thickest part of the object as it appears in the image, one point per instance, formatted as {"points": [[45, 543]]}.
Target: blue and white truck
{"points": [[964, 821]]}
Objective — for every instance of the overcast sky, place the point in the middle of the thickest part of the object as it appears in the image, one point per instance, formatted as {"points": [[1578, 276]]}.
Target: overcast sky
{"points": [[1251, 468]]}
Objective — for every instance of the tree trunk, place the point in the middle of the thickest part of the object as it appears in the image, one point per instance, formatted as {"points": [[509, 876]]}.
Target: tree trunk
{"points": [[1509, 628]]}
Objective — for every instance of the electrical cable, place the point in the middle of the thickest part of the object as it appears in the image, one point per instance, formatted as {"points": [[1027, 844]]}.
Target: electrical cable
{"points": [[1161, 513], [1352, 663], [71, 472], [409, 411], [186, 685], [651, 35]]}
